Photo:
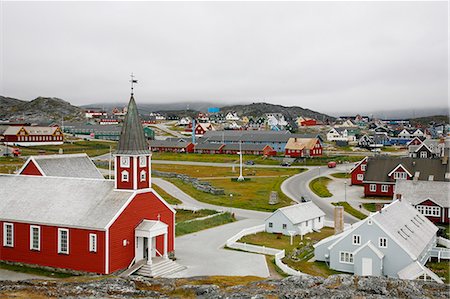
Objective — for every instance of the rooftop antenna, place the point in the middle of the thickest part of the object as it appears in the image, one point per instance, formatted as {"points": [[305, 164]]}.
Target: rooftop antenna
{"points": [[133, 81]]}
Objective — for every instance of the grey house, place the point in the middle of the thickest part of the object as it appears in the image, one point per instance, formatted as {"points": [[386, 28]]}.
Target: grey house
{"points": [[394, 242]]}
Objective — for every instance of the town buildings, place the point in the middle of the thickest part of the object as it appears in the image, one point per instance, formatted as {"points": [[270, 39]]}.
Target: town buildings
{"points": [[33, 136]]}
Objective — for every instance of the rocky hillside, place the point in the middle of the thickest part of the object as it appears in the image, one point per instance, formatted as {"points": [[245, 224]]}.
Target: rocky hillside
{"points": [[39, 110], [259, 109], [336, 286]]}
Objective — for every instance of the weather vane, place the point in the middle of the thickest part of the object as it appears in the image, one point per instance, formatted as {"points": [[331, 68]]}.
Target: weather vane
{"points": [[132, 81]]}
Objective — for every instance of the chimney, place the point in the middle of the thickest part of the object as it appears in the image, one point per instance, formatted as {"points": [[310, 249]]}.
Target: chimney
{"points": [[295, 139], [398, 196], [338, 219]]}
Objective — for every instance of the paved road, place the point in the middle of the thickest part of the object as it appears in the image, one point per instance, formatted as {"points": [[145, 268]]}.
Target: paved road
{"points": [[166, 129], [203, 253], [298, 185], [15, 276]]}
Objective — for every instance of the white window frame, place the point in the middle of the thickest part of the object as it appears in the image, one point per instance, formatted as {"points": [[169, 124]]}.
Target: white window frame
{"points": [[363, 167], [423, 154], [284, 226], [92, 242], [432, 211], [125, 176], [125, 162], [60, 251], [382, 242], [270, 224], [142, 161], [346, 257], [5, 239], [360, 176], [143, 175], [399, 175], [356, 239], [32, 227], [384, 188], [373, 187]]}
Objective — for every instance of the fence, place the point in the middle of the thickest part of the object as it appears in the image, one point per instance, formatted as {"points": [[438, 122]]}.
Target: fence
{"points": [[330, 223], [279, 254], [444, 242]]}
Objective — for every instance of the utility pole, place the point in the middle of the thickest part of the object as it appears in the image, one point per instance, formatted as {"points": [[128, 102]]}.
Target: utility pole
{"points": [[110, 163], [241, 177]]}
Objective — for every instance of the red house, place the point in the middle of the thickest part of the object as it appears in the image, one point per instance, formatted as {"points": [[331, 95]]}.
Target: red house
{"points": [[209, 148], [249, 149], [429, 197], [202, 128], [382, 173], [89, 224], [33, 136], [303, 147], [357, 172], [306, 122], [174, 146]]}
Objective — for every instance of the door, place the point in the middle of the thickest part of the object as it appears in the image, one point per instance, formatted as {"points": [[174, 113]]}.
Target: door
{"points": [[366, 267], [145, 253]]}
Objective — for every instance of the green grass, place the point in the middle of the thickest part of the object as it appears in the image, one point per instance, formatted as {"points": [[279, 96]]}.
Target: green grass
{"points": [[371, 207], [167, 197], [91, 148], [341, 175], [283, 242], [212, 158], [441, 269], [252, 195], [184, 228], [319, 186], [184, 215], [318, 161], [33, 270], [10, 164], [349, 209]]}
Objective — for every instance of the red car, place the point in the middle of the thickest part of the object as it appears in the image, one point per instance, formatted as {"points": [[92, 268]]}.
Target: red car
{"points": [[331, 164], [16, 152]]}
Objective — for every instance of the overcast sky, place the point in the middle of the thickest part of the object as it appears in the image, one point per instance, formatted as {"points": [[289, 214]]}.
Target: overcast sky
{"points": [[326, 56]]}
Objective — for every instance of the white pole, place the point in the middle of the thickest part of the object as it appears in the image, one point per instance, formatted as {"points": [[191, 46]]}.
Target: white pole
{"points": [[241, 177]]}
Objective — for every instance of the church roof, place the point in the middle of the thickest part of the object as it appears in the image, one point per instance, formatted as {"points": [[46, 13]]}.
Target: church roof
{"points": [[132, 138]]}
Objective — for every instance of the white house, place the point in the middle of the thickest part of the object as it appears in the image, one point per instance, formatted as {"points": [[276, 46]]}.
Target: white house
{"points": [[298, 219], [340, 134], [395, 242], [232, 116], [185, 121]]}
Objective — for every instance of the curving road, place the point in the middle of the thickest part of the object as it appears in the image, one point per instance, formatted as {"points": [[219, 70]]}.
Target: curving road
{"points": [[298, 185]]}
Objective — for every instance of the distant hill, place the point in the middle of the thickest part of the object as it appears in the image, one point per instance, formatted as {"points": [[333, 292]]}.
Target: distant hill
{"points": [[259, 109], [438, 119], [41, 109]]}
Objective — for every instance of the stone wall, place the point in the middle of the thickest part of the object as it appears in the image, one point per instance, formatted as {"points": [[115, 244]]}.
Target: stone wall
{"points": [[196, 183]]}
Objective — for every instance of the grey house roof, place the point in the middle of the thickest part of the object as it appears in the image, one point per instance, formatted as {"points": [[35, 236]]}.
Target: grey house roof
{"points": [[209, 146], [418, 191], [301, 212], [378, 168], [245, 146], [83, 203], [132, 138], [169, 143], [74, 165]]}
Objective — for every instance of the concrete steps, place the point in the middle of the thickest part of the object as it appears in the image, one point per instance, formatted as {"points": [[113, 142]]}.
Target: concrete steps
{"points": [[162, 268], [133, 268]]}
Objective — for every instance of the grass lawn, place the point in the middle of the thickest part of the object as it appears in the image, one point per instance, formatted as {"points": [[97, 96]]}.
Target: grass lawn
{"points": [[341, 175], [207, 171], [214, 158], [183, 228], [33, 271], [371, 207], [252, 195], [92, 148], [169, 198], [10, 164], [305, 246], [441, 269], [349, 209], [318, 161], [184, 215], [319, 186]]}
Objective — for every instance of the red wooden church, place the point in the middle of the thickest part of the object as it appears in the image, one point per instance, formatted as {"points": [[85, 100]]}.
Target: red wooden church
{"points": [[77, 220]]}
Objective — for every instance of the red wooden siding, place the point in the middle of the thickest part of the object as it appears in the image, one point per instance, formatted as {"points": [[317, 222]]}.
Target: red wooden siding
{"points": [[79, 257], [145, 183], [444, 212], [378, 191], [143, 206], [31, 169], [121, 184]]}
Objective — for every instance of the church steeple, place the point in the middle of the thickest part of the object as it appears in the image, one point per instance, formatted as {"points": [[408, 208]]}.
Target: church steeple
{"points": [[132, 157]]}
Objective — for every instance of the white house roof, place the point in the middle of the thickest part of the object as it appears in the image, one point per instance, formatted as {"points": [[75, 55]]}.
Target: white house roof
{"points": [[406, 226], [14, 130], [301, 212], [418, 191], [74, 165], [84, 203], [415, 270]]}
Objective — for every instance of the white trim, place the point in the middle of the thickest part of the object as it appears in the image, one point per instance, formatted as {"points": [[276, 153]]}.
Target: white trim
{"points": [[350, 256], [54, 224], [357, 164], [92, 242], [163, 201], [125, 205], [135, 173], [140, 160], [31, 237], [116, 171], [373, 189], [384, 188], [31, 159], [122, 164], [60, 230], [358, 237], [379, 242], [371, 246], [107, 251], [6, 224], [399, 165], [124, 176]]}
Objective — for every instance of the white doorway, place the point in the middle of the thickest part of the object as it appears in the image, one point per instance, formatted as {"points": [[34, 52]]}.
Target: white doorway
{"points": [[366, 266]]}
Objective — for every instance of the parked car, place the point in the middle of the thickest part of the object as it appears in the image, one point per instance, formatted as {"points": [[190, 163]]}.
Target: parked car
{"points": [[16, 152], [331, 164], [285, 164], [250, 162]]}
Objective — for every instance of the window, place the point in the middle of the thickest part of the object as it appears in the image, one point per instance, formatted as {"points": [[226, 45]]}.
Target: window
{"points": [[143, 175], [320, 218], [400, 175], [35, 237], [356, 240], [63, 241], [8, 234], [125, 176], [284, 226], [382, 242], [423, 154], [360, 177], [429, 211], [142, 161], [363, 167], [346, 257], [92, 242], [124, 161], [373, 187], [384, 188], [270, 224]]}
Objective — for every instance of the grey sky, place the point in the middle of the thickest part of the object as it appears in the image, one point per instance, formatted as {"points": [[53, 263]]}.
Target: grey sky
{"points": [[326, 56]]}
